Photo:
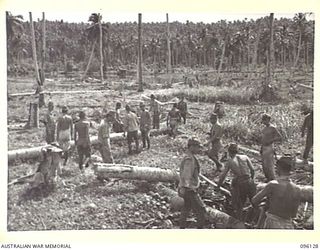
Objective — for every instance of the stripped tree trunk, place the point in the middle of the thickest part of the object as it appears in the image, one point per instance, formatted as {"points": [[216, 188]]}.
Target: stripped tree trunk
{"points": [[90, 60], [169, 67], [43, 56], [220, 219], [221, 60], [256, 46], [101, 49], [33, 121], [30, 153], [140, 89]]}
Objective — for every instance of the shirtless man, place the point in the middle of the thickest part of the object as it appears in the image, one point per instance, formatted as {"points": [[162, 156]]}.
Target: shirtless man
{"points": [[173, 120], [242, 186], [269, 135], [104, 138], [131, 127], [154, 109], [82, 140], [283, 197], [215, 140], [64, 133]]}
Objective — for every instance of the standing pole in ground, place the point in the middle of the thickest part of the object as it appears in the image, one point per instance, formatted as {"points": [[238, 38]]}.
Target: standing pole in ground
{"points": [[101, 49], [43, 58], [139, 55], [34, 50], [169, 68]]}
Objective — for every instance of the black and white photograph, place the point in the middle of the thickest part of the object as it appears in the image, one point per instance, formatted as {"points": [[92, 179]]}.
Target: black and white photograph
{"points": [[165, 120]]}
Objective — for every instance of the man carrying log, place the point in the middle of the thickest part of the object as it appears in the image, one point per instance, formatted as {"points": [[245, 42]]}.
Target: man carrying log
{"points": [[104, 139], [307, 125], [154, 109], [145, 126], [242, 186], [82, 140], [64, 133], [131, 127], [50, 123], [283, 197], [215, 141], [173, 120], [183, 108], [189, 183], [270, 135]]}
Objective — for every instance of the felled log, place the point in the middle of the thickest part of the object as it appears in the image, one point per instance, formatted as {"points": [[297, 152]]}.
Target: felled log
{"points": [[306, 191], [30, 153], [105, 170], [220, 219], [298, 163], [305, 86], [223, 190]]}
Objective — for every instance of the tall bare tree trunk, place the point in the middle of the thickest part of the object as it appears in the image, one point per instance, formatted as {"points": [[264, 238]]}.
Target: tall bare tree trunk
{"points": [[299, 49], [101, 49], [256, 46], [221, 60], [169, 67], [270, 63], [139, 54], [43, 58], [34, 50], [90, 60]]}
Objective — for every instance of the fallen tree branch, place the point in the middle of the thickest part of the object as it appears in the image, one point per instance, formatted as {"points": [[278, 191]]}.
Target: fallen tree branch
{"points": [[223, 190]]}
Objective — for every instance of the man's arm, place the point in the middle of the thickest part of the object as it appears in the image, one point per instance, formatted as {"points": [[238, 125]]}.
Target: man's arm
{"points": [[263, 193], [75, 135], [58, 128], [71, 128]]}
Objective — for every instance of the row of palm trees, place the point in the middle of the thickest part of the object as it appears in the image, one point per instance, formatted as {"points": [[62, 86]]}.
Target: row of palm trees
{"points": [[222, 45]]}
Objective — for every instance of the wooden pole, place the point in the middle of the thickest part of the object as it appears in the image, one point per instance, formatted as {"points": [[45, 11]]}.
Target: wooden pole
{"points": [[101, 49], [34, 50], [139, 54], [169, 67]]}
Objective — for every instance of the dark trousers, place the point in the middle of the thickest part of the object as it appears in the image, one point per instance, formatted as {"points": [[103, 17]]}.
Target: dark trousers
{"points": [[83, 152], [192, 201], [309, 144], [145, 135], [184, 117], [133, 136], [156, 120]]}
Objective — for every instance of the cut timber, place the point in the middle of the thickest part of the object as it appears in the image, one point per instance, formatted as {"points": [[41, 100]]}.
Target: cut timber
{"points": [[33, 121], [306, 191], [105, 170], [220, 219], [298, 162], [223, 190], [29, 153]]}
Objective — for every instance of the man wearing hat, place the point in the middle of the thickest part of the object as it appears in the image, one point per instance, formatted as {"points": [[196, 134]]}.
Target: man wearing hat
{"points": [[270, 135], [154, 109], [82, 140], [131, 127], [215, 140], [283, 197], [189, 183], [65, 132], [145, 125], [242, 186]]}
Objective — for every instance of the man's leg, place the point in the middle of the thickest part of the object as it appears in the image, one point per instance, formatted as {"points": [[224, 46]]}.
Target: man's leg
{"points": [[80, 154], [157, 120], [199, 208], [109, 158], [268, 163], [309, 144], [129, 140], [136, 139], [148, 138], [143, 136], [185, 210], [214, 156]]}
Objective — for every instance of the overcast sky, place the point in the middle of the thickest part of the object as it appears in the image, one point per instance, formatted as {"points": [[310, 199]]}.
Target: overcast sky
{"points": [[150, 16]]}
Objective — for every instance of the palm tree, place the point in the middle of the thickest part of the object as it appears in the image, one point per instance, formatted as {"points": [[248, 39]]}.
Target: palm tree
{"points": [[94, 32], [300, 20], [14, 29]]}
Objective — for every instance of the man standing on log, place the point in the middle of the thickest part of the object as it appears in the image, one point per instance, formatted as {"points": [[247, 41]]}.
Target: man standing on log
{"points": [[283, 197], [82, 140], [131, 127], [145, 126], [215, 141], [307, 125], [50, 123], [183, 108], [64, 133], [242, 186], [104, 139], [173, 120], [269, 135], [154, 109], [189, 183]]}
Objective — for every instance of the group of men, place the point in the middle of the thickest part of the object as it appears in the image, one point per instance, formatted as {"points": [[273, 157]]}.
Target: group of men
{"points": [[281, 194], [63, 130]]}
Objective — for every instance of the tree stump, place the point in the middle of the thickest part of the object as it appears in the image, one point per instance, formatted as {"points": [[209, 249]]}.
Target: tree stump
{"points": [[33, 121]]}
